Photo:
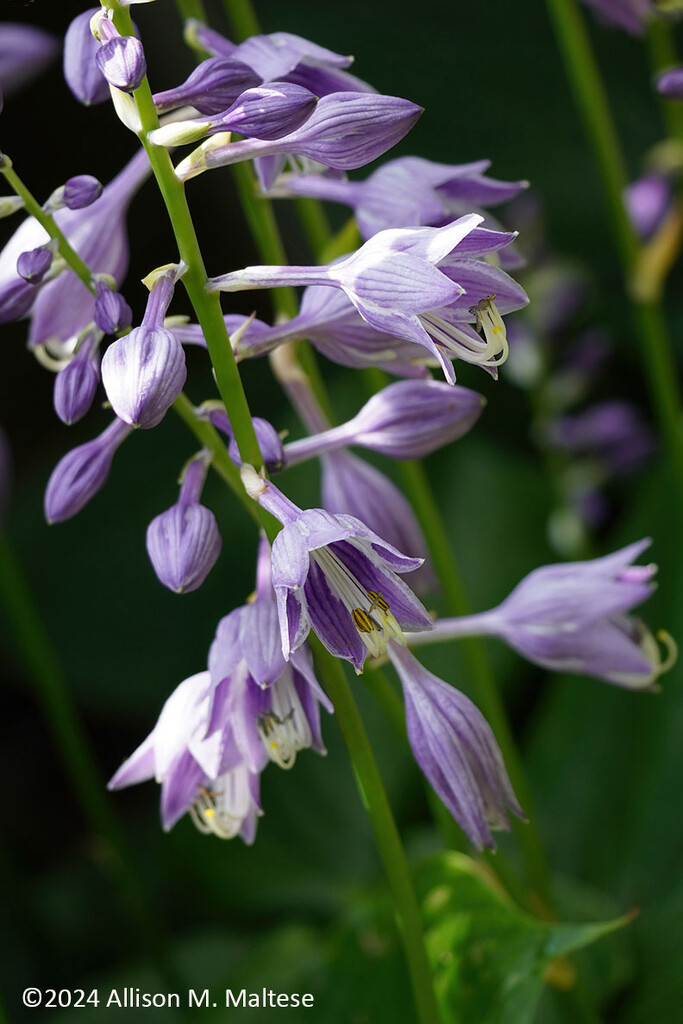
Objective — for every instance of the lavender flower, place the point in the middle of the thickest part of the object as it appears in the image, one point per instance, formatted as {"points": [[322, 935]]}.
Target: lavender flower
{"points": [[670, 83], [408, 192], [282, 56], [81, 71], [631, 15], [648, 200], [121, 59], [24, 52], [144, 371], [183, 543], [80, 191], [112, 313], [197, 774], [34, 265], [572, 618], [334, 575], [76, 384], [81, 473], [457, 751], [345, 130], [611, 431], [352, 487], [422, 285], [212, 87], [406, 420]]}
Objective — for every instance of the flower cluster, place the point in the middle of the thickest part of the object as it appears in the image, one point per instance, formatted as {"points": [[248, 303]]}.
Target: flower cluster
{"points": [[428, 287]]}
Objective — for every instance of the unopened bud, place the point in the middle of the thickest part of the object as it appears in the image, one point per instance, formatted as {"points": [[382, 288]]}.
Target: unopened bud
{"points": [[34, 265], [122, 62], [76, 384]]}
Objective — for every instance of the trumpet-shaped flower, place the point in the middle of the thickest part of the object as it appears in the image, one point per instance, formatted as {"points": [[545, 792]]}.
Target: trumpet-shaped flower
{"points": [[424, 285], [457, 751], [335, 576]]}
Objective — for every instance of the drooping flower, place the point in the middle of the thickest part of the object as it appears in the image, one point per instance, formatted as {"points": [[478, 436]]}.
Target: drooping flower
{"points": [[457, 751], [144, 371], [407, 192], [573, 617], [76, 384], [24, 52], [405, 420], [82, 472], [183, 543], [335, 576], [345, 130], [424, 285]]}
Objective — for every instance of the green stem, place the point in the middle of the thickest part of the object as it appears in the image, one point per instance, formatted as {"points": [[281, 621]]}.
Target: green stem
{"points": [[591, 99], [387, 838], [206, 305], [192, 9], [664, 55], [242, 18], [71, 741], [47, 222]]}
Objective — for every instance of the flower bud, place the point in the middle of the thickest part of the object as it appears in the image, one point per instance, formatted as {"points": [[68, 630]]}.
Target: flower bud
{"points": [[76, 384], [81, 72], [670, 84], [34, 265], [183, 542], [270, 111], [122, 62], [112, 312], [81, 191], [270, 443], [212, 87], [10, 205], [143, 373], [81, 473]]}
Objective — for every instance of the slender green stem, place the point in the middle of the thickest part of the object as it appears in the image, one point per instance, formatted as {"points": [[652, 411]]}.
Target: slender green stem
{"points": [[192, 9], [589, 93], [387, 838], [664, 55], [70, 739], [242, 18], [47, 222]]}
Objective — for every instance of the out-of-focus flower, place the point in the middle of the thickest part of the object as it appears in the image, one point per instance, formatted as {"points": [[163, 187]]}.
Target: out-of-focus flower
{"points": [[81, 71], [611, 431], [631, 15], [648, 201], [335, 576], [457, 751], [25, 51]]}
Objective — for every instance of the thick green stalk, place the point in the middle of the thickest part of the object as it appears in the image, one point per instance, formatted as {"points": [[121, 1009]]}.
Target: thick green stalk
{"points": [[48, 222], [70, 739], [656, 350], [387, 838]]}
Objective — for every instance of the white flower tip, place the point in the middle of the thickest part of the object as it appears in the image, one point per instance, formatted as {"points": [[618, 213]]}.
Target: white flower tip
{"points": [[178, 133], [254, 483], [175, 269]]}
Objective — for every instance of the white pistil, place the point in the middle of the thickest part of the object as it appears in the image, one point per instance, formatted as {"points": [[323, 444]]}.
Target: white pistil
{"points": [[491, 351], [370, 614], [222, 810], [284, 730]]}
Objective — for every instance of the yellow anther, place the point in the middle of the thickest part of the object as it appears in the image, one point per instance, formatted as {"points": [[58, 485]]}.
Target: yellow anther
{"points": [[209, 812], [377, 601], [363, 622]]}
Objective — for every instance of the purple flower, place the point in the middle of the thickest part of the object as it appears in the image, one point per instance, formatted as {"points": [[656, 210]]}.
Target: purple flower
{"points": [[112, 313], [196, 772], [631, 15], [81, 473], [406, 420], [350, 486], [62, 309], [346, 130], [213, 86], [573, 617], [457, 751], [611, 431], [183, 543], [335, 576], [24, 52], [144, 372], [408, 192], [670, 83], [266, 112], [80, 191], [81, 71], [34, 265], [423, 285], [282, 56], [648, 201], [76, 384], [121, 59]]}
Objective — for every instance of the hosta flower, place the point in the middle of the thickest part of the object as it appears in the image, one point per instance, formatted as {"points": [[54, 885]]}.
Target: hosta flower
{"points": [[648, 200], [573, 617], [24, 52], [631, 15], [76, 384], [81, 71], [144, 371], [335, 576], [670, 83], [183, 543], [423, 285], [82, 472], [405, 420], [457, 751], [346, 130], [407, 192]]}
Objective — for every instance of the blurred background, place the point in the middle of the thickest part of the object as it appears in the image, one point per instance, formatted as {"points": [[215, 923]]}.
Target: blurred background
{"points": [[304, 909]]}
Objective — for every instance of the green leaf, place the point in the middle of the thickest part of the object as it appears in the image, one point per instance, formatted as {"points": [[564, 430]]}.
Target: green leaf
{"points": [[489, 957]]}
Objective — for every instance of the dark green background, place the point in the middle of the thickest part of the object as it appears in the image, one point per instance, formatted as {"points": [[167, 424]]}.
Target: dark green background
{"points": [[296, 909]]}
